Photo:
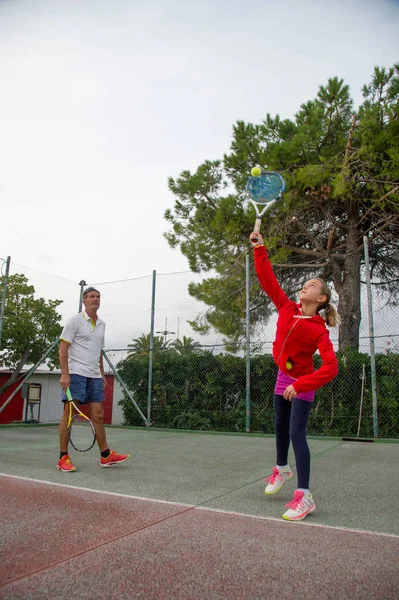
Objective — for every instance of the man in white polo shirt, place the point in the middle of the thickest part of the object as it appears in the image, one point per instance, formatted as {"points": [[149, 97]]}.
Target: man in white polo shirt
{"points": [[82, 370]]}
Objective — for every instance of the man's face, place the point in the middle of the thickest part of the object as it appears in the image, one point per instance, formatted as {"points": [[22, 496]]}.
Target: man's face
{"points": [[92, 301]]}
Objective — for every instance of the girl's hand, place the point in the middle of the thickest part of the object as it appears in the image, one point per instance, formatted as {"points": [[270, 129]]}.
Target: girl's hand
{"points": [[256, 238], [289, 393]]}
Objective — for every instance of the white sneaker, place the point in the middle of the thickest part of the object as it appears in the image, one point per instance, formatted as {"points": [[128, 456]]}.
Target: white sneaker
{"points": [[276, 480], [299, 507]]}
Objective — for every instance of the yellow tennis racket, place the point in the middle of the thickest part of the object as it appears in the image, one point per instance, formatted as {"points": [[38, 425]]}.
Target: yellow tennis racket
{"points": [[81, 432]]}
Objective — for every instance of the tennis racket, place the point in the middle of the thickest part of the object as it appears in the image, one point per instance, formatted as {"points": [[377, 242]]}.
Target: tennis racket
{"points": [[263, 191], [81, 432]]}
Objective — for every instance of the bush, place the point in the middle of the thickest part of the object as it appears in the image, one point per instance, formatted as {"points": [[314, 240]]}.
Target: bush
{"points": [[201, 391]]}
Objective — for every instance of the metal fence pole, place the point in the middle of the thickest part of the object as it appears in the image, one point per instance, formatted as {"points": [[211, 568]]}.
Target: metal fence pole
{"points": [[82, 287], [3, 295], [150, 363], [248, 350], [371, 333]]}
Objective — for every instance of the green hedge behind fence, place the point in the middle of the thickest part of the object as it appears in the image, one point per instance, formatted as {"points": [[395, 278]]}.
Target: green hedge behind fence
{"points": [[208, 392]]}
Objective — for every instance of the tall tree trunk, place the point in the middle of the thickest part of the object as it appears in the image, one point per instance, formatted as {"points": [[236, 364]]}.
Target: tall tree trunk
{"points": [[347, 285]]}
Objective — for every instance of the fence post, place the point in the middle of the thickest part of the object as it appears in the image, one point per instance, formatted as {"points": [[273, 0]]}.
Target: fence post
{"points": [[150, 362], [82, 287], [3, 295], [371, 334], [248, 350]]}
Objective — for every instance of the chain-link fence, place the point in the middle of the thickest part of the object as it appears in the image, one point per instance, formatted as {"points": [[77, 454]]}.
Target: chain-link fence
{"points": [[190, 381]]}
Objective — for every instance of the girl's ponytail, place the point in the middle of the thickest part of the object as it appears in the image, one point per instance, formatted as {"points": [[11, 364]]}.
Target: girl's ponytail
{"points": [[331, 316]]}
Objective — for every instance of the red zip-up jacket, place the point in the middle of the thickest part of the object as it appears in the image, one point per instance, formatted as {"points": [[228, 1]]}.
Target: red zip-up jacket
{"points": [[297, 339]]}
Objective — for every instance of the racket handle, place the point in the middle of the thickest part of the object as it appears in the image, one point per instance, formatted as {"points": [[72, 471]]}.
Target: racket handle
{"points": [[257, 225]]}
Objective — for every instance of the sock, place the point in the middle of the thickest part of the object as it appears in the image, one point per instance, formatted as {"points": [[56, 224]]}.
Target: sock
{"points": [[305, 491], [63, 454], [106, 453], [284, 468]]}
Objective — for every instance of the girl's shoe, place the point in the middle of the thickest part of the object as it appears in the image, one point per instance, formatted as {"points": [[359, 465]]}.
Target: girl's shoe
{"points": [[276, 480], [299, 507]]}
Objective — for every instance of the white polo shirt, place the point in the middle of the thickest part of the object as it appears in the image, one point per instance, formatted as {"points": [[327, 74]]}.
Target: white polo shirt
{"points": [[87, 340]]}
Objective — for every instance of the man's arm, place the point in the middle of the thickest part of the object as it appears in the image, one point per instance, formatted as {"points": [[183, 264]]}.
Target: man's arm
{"points": [[63, 351]]}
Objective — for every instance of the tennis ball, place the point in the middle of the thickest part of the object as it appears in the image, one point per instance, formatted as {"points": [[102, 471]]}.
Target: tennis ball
{"points": [[256, 172], [288, 365]]}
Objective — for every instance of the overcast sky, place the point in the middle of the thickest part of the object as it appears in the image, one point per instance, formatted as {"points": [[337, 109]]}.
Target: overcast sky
{"points": [[102, 100]]}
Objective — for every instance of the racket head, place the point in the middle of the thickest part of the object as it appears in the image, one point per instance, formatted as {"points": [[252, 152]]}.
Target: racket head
{"points": [[265, 188], [81, 433]]}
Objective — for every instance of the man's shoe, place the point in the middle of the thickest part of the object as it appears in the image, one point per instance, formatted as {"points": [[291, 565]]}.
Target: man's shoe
{"points": [[65, 464], [113, 458]]}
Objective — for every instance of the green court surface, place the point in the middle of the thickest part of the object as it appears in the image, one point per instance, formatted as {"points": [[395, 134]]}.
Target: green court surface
{"points": [[354, 484]]}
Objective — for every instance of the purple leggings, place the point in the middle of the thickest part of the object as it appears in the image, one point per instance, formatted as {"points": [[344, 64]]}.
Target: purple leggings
{"points": [[291, 419]]}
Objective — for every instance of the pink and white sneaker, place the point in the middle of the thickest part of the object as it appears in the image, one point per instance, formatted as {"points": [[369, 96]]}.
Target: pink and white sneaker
{"points": [[299, 507], [276, 480]]}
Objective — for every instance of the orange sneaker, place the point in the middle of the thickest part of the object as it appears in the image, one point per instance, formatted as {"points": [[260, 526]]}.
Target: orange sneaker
{"points": [[113, 458], [65, 464]]}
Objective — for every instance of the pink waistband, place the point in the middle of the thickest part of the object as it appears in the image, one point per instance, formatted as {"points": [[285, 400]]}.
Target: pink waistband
{"points": [[284, 380]]}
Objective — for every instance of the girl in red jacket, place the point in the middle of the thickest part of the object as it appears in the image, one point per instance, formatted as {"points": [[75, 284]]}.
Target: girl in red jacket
{"points": [[301, 331]]}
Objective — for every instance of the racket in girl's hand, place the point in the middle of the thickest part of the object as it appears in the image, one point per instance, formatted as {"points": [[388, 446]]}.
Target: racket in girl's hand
{"points": [[81, 432], [263, 188]]}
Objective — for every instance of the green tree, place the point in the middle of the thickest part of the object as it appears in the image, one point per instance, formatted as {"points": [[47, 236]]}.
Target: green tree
{"points": [[30, 326], [141, 346], [342, 172], [186, 345]]}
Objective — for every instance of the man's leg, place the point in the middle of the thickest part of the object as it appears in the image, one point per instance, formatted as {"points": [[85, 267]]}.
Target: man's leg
{"points": [[64, 463], [63, 431], [97, 418], [96, 397]]}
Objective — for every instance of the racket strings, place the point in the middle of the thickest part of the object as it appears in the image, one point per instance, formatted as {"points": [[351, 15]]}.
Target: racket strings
{"points": [[81, 432], [265, 188]]}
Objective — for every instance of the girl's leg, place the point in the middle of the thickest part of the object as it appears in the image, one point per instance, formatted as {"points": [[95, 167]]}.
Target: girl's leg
{"points": [[299, 419], [282, 412]]}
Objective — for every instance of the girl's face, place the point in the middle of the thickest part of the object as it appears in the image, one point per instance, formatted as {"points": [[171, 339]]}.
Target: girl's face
{"points": [[311, 292]]}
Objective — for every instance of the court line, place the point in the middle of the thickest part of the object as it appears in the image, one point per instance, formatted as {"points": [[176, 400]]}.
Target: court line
{"points": [[204, 508], [84, 489], [302, 523]]}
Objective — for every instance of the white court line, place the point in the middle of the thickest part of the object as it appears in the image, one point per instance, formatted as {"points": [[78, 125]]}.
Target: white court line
{"points": [[205, 508], [84, 489], [302, 523]]}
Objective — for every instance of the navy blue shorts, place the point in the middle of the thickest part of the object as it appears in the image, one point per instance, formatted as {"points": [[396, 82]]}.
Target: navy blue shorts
{"points": [[85, 389]]}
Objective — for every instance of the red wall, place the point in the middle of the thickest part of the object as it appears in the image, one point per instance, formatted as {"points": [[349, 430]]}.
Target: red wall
{"points": [[12, 412]]}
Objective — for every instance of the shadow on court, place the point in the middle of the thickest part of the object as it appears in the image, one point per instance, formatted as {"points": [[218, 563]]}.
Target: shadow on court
{"points": [[187, 517]]}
